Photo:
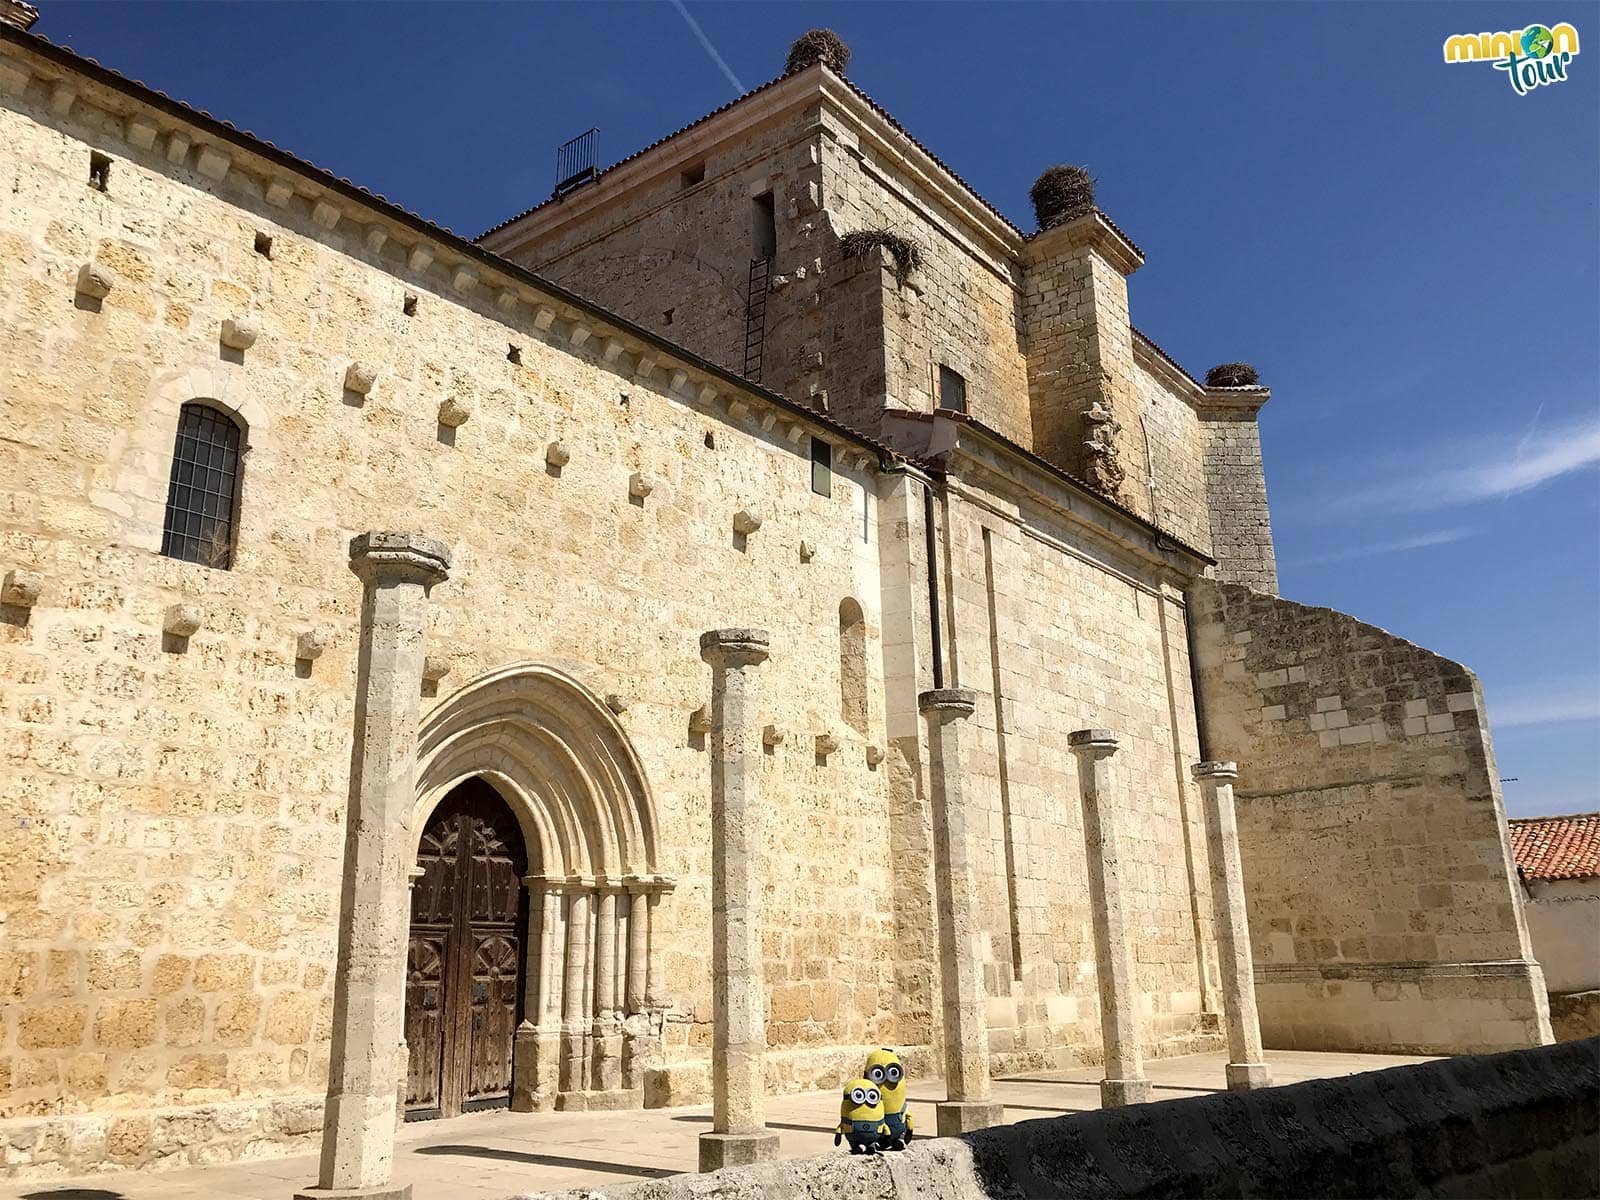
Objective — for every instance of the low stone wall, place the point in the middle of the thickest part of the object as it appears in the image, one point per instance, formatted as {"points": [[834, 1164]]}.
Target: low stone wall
{"points": [[38, 1148], [1523, 1123], [1575, 1015]]}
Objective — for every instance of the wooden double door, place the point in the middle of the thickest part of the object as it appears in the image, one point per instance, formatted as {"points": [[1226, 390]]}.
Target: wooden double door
{"points": [[464, 963]]}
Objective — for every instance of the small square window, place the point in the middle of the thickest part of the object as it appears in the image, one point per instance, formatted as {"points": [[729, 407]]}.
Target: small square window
{"points": [[693, 175], [99, 172], [952, 390], [821, 467]]}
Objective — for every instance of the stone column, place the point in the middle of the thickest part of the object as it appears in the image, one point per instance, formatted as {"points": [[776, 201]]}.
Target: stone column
{"points": [[396, 571], [536, 1047], [1119, 991], [966, 1029], [739, 996], [639, 908], [574, 1016], [1247, 1067], [606, 1072], [655, 975]]}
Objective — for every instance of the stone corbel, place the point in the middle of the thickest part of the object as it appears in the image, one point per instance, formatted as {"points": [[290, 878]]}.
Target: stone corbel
{"points": [[543, 317], [454, 412], [325, 215], [359, 378], [310, 644], [580, 334], [240, 333], [557, 455], [95, 281], [617, 702], [183, 620], [435, 667], [613, 351], [140, 132], [213, 163], [746, 521], [874, 755], [21, 588], [771, 736], [808, 550], [464, 280], [700, 720], [279, 192], [178, 145], [827, 743], [420, 258], [646, 365], [640, 485]]}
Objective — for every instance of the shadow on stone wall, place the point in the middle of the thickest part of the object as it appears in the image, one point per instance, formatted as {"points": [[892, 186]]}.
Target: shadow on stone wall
{"points": [[1520, 1124]]}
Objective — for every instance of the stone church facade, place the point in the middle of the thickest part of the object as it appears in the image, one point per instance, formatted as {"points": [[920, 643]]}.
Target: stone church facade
{"points": [[426, 666]]}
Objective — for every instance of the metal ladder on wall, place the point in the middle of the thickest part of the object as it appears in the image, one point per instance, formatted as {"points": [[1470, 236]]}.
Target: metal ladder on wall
{"points": [[755, 318]]}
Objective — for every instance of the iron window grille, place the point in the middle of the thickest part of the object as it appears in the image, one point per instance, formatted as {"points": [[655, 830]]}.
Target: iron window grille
{"points": [[203, 495]]}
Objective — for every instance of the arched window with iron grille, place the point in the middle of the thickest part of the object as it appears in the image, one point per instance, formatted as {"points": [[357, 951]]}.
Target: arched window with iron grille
{"points": [[203, 495]]}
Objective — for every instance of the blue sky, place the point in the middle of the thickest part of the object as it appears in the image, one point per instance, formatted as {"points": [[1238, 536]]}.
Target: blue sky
{"points": [[1408, 250]]}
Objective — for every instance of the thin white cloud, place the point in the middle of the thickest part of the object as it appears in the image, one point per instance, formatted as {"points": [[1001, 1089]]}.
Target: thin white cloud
{"points": [[700, 34], [1485, 472], [1552, 703], [1439, 537]]}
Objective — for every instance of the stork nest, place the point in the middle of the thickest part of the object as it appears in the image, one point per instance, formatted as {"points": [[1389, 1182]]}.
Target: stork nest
{"points": [[818, 46], [906, 253], [1060, 194], [1234, 374]]}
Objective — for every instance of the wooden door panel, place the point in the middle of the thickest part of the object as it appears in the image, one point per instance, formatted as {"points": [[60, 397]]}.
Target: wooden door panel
{"points": [[424, 1012], [495, 977], [463, 996]]}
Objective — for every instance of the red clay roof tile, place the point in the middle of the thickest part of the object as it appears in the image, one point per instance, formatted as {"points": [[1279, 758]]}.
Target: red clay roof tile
{"points": [[1557, 847]]}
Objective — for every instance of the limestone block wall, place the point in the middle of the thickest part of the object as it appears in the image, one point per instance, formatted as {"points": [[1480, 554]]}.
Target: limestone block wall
{"points": [[1564, 923], [1236, 492], [1082, 391], [959, 308], [1385, 914], [1057, 632], [676, 255], [174, 809], [1175, 441]]}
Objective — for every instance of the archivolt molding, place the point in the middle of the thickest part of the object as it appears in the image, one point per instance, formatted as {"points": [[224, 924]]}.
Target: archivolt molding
{"points": [[561, 761]]}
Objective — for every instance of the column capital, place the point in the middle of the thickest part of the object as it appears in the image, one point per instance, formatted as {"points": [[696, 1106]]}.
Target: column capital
{"points": [[644, 885], [388, 556], [1215, 772], [948, 703], [735, 647], [1102, 743]]}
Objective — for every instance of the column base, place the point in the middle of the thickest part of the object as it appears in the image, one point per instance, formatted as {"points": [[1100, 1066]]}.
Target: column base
{"points": [[385, 1191], [952, 1117], [1245, 1077], [1116, 1092], [718, 1150]]}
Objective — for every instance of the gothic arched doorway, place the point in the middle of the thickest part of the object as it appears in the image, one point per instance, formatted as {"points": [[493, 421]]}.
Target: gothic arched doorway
{"points": [[464, 961]]}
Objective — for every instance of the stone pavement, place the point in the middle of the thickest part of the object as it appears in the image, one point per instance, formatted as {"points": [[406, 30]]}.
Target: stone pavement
{"points": [[492, 1155]]}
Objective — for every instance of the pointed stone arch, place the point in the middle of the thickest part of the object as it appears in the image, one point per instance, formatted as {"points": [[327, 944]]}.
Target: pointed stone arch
{"points": [[566, 768], [561, 760]]}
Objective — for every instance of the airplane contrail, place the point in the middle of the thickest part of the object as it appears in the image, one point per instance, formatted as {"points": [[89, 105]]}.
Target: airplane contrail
{"points": [[694, 27]]}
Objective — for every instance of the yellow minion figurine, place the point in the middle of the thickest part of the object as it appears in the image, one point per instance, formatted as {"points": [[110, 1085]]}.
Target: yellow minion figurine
{"points": [[885, 1072], [861, 1118]]}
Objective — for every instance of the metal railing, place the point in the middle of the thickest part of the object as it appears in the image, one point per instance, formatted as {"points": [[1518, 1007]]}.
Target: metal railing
{"points": [[575, 162]]}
